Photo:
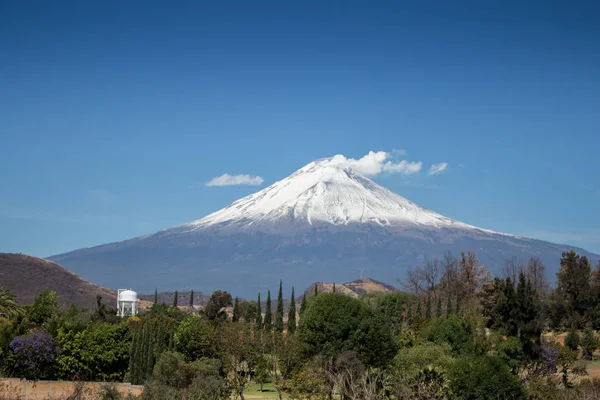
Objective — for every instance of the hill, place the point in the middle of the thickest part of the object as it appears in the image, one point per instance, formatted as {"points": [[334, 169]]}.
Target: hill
{"points": [[324, 222], [355, 288], [26, 276]]}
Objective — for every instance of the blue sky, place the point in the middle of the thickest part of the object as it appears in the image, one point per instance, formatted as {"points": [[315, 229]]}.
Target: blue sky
{"points": [[115, 115]]}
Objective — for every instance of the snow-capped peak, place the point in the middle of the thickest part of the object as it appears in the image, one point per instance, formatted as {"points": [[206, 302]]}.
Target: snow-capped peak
{"points": [[324, 193]]}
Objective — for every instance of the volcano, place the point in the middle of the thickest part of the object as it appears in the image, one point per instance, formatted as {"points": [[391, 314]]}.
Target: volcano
{"points": [[325, 222]]}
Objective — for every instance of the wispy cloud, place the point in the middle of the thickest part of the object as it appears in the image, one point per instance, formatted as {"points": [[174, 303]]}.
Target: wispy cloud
{"points": [[235, 180], [375, 163], [438, 168]]}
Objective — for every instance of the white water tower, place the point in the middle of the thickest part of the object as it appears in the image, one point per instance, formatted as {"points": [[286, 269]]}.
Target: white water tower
{"points": [[126, 303]]}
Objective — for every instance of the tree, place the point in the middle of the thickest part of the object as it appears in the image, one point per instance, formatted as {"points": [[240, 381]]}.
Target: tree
{"points": [[175, 299], [316, 290], [268, 315], [259, 320], [240, 356], [471, 275], [291, 325], [574, 284], [334, 323], [34, 354], [44, 307], [191, 305], [278, 326], [589, 343], [303, 305], [9, 307], [428, 307], [536, 273], [572, 338], [448, 331], [449, 309], [334, 288], [155, 295], [438, 309], [196, 338], [215, 308], [236, 310]]}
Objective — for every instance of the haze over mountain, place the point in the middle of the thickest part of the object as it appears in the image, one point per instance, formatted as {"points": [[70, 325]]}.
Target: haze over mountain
{"points": [[325, 222]]}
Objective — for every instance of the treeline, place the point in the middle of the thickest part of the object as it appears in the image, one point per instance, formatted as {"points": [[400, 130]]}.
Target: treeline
{"points": [[456, 333]]}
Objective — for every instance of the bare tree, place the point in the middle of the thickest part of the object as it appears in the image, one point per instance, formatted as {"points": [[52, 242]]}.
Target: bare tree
{"points": [[512, 268], [423, 278], [472, 276], [536, 273]]}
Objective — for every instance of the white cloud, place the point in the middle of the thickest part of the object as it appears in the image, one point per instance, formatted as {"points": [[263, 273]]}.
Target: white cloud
{"points": [[376, 163], [438, 168], [233, 180]]}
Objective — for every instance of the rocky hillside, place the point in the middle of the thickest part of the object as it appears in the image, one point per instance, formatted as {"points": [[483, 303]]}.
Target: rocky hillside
{"points": [[355, 288]]}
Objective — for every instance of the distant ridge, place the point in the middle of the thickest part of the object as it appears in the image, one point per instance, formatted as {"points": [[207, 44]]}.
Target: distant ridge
{"points": [[26, 276], [355, 288]]}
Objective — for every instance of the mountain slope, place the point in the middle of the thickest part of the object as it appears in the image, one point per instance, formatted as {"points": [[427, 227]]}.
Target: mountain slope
{"points": [[324, 222], [26, 276]]}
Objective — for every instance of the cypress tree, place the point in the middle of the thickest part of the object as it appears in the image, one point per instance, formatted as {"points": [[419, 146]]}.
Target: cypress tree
{"points": [[438, 310], [449, 309], [155, 295], [291, 326], [133, 357], [419, 310], [334, 288], [236, 310], [258, 314], [457, 305], [175, 299], [428, 307], [409, 312], [192, 299], [316, 290], [303, 305], [143, 357], [150, 356], [268, 316], [279, 313]]}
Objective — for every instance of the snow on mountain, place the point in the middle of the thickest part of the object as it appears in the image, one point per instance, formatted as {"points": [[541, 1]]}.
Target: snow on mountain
{"points": [[323, 193], [325, 222]]}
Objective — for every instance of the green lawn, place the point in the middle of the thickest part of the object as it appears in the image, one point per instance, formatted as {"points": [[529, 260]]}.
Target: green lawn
{"points": [[253, 392]]}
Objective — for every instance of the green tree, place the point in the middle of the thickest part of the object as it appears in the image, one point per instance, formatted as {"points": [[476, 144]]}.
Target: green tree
{"points": [[334, 323], [191, 304], [278, 326], [589, 342], [449, 309], [438, 309], [259, 320], [291, 325], [391, 305], [175, 299], [572, 339], [334, 288], [448, 331], [236, 310], [268, 315], [155, 296], [574, 284], [44, 307], [303, 305], [9, 307], [419, 314], [215, 308], [196, 338]]}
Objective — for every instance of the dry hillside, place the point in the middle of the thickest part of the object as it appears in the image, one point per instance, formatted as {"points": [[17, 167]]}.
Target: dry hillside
{"points": [[26, 276], [355, 288]]}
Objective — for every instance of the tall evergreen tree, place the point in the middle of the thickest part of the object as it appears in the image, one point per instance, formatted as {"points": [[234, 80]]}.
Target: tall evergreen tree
{"points": [[316, 290], [449, 309], [268, 316], [573, 284], [428, 307], [155, 295], [191, 299], [236, 310], [334, 288], [457, 311], [409, 312], [438, 310], [291, 325], [303, 305], [175, 299], [279, 313], [258, 314], [419, 311]]}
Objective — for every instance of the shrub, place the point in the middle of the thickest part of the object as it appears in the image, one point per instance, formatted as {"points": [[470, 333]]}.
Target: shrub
{"points": [[448, 331]]}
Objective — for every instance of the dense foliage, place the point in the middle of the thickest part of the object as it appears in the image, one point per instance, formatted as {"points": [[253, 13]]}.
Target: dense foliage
{"points": [[455, 333]]}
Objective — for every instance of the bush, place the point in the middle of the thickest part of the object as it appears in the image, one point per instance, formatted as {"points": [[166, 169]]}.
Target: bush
{"points": [[482, 378], [448, 331]]}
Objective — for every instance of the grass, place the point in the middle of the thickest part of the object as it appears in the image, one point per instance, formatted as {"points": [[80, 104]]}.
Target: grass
{"points": [[269, 393]]}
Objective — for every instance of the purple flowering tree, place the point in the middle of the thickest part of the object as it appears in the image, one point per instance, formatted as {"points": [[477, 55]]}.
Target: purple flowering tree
{"points": [[34, 353]]}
